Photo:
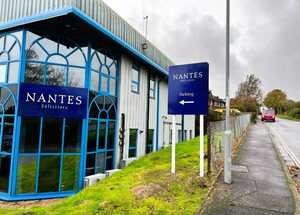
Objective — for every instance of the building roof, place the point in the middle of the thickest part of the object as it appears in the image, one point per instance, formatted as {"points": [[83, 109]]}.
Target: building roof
{"points": [[14, 13]]}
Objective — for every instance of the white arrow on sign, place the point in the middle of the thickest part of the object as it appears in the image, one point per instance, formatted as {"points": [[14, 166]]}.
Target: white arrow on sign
{"points": [[182, 102]]}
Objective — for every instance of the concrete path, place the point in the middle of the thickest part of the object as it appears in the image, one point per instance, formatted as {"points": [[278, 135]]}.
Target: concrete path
{"points": [[261, 190]]}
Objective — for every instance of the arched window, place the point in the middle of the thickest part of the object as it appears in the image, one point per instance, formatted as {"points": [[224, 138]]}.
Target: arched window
{"points": [[55, 63], [101, 135], [7, 121], [103, 74], [50, 148], [9, 58]]}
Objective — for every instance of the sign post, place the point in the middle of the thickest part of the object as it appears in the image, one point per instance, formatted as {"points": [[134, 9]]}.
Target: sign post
{"points": [[188, 95], [201, 145], [173, 144]]}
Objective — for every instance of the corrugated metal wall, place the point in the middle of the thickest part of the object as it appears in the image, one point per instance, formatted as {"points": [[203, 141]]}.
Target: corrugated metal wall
{"points": [[96, 9], [134, 105]]}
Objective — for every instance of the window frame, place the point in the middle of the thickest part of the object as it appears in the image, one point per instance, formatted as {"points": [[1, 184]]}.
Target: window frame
{"points": [[152, 90], [135, 68], [51, 52], [105, 150], [103, 61], [136, 142], [7, 51]]}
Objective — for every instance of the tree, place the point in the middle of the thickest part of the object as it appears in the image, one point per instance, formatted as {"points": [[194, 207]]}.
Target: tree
{"points": [[288, 105], [55, 75], [244, 104], [251, 87], [276, 99]]}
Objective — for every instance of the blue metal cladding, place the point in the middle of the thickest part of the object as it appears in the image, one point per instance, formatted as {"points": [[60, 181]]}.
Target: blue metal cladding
{"points": [[107, 90]]}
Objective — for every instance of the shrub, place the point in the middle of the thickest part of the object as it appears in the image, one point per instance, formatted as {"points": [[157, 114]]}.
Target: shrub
{"points": [[215, 116], [253, 117], [295, 113]]}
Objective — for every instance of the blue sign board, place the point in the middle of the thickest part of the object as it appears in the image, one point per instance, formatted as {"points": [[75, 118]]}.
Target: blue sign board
{"points": [[188, 89], [52, 101]]}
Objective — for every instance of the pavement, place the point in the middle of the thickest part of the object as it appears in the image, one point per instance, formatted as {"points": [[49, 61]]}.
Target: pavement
{"points": [[259, 184], [288, 133]]}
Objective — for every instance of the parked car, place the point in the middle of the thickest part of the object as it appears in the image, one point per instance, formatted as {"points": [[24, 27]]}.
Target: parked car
{"points": [[268, 115]]}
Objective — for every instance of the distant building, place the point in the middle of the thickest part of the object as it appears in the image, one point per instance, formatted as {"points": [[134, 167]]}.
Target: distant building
{"points": [[215, 102]]}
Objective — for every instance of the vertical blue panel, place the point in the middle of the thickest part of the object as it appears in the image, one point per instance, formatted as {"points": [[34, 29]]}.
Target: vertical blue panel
{"points": [[84, 135], [17, 124], [117, 123], [157, 115]]}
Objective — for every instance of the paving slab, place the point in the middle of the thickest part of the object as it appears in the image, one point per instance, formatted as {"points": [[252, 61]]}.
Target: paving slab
{"points": [[263, 189]]}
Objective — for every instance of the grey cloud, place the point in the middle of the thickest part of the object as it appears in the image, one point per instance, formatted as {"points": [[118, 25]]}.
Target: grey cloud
{"points": [[275, 52]]}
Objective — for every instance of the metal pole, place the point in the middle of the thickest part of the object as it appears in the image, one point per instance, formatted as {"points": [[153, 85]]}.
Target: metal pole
{"points": [[201, 145], [227, 138], [208, 148], [173, 144]]}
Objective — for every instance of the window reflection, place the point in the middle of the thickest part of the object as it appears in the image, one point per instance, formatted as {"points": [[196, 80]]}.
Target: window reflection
{"points": [[109, 160], [51, 136], [26, 174], [49, 174], [101, 135], [34, 73], [7, 118], [54, 63], [9, 58], [103, 69], [4, 172], [100, 162], [90, 164], [29, 138], [3, 71], [70, 173], [111, 135], [55, 75], [76, 77], [7, 136], [102, 132], [72, 141], [92, 135]]}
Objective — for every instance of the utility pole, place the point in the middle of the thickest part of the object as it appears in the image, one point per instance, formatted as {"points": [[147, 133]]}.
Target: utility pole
{"points": [[227, 138]]}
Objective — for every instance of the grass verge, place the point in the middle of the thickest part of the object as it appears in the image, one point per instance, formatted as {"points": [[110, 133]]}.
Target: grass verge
{"points": [[288, 117], [144, 187]]}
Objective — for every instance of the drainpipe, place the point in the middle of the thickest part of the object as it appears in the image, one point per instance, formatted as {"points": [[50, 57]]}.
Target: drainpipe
{"points": [[147, 111], [157, 114]]}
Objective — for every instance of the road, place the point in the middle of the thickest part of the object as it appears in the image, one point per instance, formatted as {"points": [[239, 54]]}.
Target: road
{"points": [[289, 134]]}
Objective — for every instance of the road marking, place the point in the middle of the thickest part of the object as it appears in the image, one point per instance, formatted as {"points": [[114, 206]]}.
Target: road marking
{"points": [[286, 148], [182, 102]]}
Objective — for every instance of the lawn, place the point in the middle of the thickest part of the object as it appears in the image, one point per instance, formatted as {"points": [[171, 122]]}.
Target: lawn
{"points": [[144, 187], [288, 117]]}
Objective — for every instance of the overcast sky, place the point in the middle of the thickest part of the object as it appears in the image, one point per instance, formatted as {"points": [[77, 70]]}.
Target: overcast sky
{"points": [[265, 37]]}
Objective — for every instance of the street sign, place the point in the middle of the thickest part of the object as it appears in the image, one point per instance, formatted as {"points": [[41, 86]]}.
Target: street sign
{"points": [[188, 95], [188, 89]]}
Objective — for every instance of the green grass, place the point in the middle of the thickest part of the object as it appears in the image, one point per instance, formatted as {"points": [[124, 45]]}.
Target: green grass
{"points": [[288, 117], [167, 194]]}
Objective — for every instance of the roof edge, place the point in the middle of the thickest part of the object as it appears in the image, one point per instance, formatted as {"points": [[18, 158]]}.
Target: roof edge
{"points": [[88, 20]]}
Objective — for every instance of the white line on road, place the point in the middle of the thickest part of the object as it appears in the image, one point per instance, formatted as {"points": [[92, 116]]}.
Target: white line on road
{"points": [[286, 148]]}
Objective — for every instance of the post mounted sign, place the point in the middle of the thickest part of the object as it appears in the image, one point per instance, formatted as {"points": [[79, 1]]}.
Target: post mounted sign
{"points": [[52, 101], [188, 89]]}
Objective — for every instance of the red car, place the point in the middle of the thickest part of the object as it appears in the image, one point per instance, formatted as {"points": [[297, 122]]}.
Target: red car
{"points": [[268, 115]]}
